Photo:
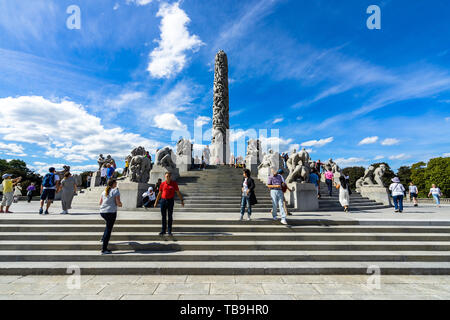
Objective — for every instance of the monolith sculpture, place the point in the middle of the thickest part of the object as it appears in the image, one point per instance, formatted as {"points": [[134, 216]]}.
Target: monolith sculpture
{"points": [[221, 119]]}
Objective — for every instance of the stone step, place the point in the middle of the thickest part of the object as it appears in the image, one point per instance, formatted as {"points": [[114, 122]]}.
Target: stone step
{"points": [[243, 227], [241, 256], [179, 208], [225, 268], [174, 245], [224, 236]]}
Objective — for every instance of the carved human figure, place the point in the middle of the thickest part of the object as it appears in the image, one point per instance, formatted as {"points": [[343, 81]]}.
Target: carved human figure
{"points": [[164, 158], [100, 161], [367, 178], [378, 174], [139, 166], [298, 165], [206, 154]]}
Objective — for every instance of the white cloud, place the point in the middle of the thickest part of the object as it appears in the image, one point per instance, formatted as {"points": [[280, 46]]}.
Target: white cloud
{"points": [[169, 121], [139, 2], [124, 99], [379, 157], [42, 168], [278, 120], [201, 121], [368, 140], [317, 143], [401, 156], [342, 162], [169, 58], [116, 6], [70, 132], [390, 142], [446, 155], [12, 149]]}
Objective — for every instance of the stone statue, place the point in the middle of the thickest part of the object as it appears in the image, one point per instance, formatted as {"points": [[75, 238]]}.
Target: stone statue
{"points": [[367, 178], [139, 166], [270, 160], [378, 175], [184, 148], [254, 156], [221, 117], [100, 161], [206, 154], [164, 158], [298, 165]]}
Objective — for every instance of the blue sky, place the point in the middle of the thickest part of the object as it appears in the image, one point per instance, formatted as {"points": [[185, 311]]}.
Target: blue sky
{"points": [[139, 69]]}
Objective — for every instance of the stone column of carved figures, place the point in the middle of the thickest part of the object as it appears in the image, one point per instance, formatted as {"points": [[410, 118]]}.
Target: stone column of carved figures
{"points": [[220, 148]]}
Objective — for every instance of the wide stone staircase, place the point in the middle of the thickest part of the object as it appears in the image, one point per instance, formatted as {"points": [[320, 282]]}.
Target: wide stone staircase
{"points": [[206, 245]]}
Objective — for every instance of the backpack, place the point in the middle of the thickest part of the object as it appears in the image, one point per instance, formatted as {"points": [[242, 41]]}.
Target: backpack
{"points": [[49, 180]]}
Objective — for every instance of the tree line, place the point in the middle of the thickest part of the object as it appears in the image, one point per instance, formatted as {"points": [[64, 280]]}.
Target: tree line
{"points": [[422, 174]]}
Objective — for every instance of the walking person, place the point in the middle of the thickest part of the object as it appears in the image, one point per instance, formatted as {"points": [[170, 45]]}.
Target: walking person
{"points": [[344, 194], [88, 180], [166, 194], [149, 198], [8, 192], [436, 193], [103, 172], [275, 183], [413, 192], [397, 192], [110, 171], [17, 192], [329, 181], [109, 202], [248, 198], [314, 179], [48, 189], [31, 188], [68, 187]]}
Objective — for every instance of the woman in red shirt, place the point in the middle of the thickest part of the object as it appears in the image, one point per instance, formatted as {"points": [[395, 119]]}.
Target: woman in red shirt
{"points": [[166, 194]]}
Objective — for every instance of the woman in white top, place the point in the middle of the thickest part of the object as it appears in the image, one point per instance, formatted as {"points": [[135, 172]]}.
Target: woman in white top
{"points": [[397, 191], [344, 195], [413, 192], [436, 193]]}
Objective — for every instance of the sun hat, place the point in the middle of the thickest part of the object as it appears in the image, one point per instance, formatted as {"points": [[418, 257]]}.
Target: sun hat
{"points": [[396, 180], [6, 175]]}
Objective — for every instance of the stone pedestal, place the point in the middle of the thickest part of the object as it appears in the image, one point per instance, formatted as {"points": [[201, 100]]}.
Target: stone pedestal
{"points": [[184, 163], [251, 163], [131, 194], [95, 180], [303, 198], [376, 193], [159, 172], [264, 173]]}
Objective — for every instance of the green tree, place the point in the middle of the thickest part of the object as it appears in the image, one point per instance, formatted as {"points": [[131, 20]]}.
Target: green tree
{"points": [[418, 177], [354, 173], [404, 174], [438, 172], [18, 168]]}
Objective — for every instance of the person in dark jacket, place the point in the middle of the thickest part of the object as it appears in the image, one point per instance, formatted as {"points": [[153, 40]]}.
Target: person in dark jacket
{"points": [[248, 194]]}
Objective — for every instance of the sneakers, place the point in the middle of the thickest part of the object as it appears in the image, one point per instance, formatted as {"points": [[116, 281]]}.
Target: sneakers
{"points": [[396, 211], [106, 252], [46, 212], [249, 218], [241, 218], [41, 211], [275, 218], [283, 221], [161, 234]]}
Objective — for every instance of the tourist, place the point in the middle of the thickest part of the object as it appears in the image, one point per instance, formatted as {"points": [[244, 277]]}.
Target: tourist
{"points": [[329, 181], [284, 188], [413, 192], [103, 172], [436, 193], [344, 194], [17, 192], [203, 163], [8, 191], [314, 179], [149, 198], [318, 166], [166, 194], [275, 183], [110, 172], [248, 194], [109, 202], [68, 189], [31, 188], [347, 180], [48, 189], [397, 192]]}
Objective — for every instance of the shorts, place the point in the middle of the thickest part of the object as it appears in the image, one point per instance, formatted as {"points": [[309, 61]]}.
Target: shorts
{"points": [[413, 195], [7, 199], [48, 194]]}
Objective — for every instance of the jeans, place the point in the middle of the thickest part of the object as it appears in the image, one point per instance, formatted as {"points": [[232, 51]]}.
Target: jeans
{"points": [[167, 207], [398, 202], [147, 203], [277, 200], [110, 219], [330, 186], [245, 201], [437, 198]]}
